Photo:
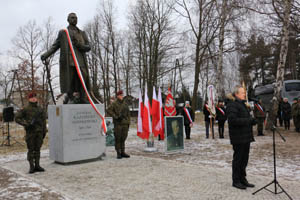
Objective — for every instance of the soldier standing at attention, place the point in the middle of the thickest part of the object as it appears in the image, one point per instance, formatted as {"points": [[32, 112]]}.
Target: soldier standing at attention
{"points": [[119, 110], [260, 115], [33, 118]]}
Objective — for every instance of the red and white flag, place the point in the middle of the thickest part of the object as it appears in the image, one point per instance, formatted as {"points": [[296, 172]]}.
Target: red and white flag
{"points": [[155, 114], [170, 109], [147, 128], [140, 118], [161, 122]]}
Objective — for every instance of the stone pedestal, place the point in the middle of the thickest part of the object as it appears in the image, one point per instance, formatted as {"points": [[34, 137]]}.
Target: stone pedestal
{"points": [[75, 133]]}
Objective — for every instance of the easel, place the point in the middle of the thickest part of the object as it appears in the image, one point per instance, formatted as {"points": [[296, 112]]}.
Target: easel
{"points": [[7, 140], [275, 182]]}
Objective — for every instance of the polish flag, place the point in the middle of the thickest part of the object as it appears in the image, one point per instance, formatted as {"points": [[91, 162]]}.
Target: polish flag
{"points": [[161, 122], [155, 114], [147, 128], [140, 117]]}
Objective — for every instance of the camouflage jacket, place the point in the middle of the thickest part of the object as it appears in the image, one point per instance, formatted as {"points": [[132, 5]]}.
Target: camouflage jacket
{"points": [[120, 113], [295, 109], [32, 117]]}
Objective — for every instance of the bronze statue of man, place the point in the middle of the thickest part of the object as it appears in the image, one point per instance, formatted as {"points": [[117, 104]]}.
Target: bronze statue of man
{"points": [[68, 77]]}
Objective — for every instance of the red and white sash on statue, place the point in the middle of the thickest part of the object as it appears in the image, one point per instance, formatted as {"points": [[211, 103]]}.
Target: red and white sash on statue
{"points": [[188, 115], [259, 108], [221, 110], [82, 81]]}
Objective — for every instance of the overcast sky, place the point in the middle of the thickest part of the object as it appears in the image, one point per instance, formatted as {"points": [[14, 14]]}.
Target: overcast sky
{"points": [[16, 13]]}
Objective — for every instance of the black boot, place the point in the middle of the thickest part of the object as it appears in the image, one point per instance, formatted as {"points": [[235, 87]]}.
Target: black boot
{"points": [[37, 167], [119, 156], [239, 185], [246, 183], [260, 133], [125, 155], [31, 165]]}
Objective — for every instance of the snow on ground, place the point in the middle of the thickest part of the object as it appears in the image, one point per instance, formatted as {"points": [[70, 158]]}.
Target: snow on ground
{"points": [[199, 154], [218, 152], [14, 186]]}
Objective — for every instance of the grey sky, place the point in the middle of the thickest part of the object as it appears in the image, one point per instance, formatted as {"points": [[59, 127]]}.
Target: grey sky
{"points": [[16, 13]]}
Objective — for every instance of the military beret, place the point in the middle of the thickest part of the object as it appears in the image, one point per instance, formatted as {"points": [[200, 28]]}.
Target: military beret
{"points": [[120, 92], [31, 95]]}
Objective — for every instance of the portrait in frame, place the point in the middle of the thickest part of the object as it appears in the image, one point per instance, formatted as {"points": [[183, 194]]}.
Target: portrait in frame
{"points": [[174, 134], [110, 137]]}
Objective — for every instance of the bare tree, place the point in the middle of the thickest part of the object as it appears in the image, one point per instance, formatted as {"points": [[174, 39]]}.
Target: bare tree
{"points": [[48, 36], [5, 84], [104, 59], [27, 47], [200, 15], [126, 60], [153, 31]]}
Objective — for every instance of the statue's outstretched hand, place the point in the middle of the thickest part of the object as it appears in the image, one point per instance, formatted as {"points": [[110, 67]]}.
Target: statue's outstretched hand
{"points": [[43, 57]]}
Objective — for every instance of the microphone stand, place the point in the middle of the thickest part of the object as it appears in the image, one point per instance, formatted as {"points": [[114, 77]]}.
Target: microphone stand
{"points": [[276, 183]]}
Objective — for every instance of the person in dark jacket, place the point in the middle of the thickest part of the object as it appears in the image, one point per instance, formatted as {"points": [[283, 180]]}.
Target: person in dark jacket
{"points": [[189, 118], [286, 113], [33, 118], [260, 116], [295, 108], [221, 117], [240, 124], [207, 117], [279, 113]]}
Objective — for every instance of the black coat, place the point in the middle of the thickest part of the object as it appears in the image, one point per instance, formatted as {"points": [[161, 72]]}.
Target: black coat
{"points": [[286, 111], [240, 122], [206, 114], [220, 116], [186, 119]]}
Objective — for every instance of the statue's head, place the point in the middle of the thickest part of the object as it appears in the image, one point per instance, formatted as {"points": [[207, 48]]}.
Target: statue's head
{"points": [[72, 19]]}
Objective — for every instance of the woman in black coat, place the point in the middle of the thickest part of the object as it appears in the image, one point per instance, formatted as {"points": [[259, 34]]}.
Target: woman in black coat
{"points": [[286, 113]]}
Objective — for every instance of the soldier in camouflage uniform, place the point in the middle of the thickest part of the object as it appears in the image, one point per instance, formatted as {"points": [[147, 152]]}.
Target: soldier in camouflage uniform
{"points": [[119, 110], [33, 118], [260, 115]]}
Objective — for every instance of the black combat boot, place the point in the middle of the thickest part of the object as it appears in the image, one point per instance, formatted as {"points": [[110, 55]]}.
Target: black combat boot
{"points": [[125, 155], [119, 156], [31, 169], [38, 168], [260, 133]]}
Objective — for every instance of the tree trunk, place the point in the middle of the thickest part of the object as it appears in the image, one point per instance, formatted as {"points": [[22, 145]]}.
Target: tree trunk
{"points": [[220, 80], [282, 61]]}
